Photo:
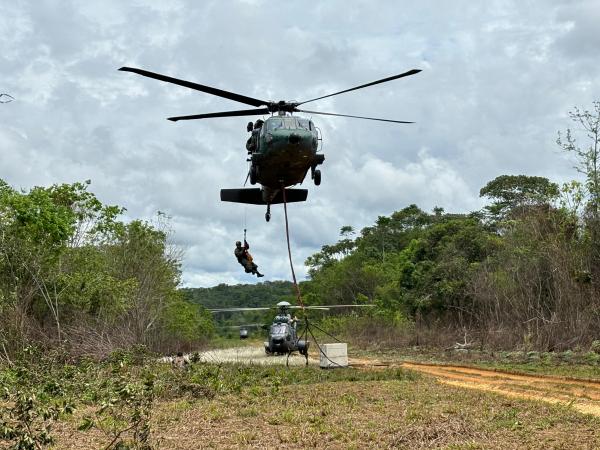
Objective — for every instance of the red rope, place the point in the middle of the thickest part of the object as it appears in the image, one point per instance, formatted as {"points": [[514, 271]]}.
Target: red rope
{"points": [[287, 234]]}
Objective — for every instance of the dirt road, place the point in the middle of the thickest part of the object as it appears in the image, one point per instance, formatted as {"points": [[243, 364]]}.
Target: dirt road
{"points": [[583, 395]]}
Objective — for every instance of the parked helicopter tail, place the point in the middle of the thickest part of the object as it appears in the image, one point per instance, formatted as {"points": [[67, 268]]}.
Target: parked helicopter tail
{"points": [[254, 196]]}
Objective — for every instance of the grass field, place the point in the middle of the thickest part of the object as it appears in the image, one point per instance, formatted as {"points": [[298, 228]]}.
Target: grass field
{"points": [[141, 403], [411, 412]]}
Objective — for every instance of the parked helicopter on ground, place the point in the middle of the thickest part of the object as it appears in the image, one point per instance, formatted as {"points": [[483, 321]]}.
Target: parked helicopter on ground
{"points": [[281, 149], [283, 337]]}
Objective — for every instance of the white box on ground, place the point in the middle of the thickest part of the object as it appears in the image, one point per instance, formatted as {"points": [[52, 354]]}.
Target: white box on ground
{"points": [[334, 355]]}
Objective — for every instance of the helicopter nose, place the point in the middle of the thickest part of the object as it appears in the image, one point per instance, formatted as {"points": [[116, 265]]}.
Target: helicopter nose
{"points": [[294, 138]]}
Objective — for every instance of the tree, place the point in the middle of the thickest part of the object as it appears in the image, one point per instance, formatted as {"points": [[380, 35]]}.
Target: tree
{"points": [[514, 194], [331, 253]]}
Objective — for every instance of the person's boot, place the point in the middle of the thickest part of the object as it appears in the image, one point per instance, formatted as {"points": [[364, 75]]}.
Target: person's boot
{"points": [[258, 274]]}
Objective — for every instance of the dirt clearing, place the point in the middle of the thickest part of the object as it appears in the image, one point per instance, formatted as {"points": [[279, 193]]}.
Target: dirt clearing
{"points": [[583, 395]]}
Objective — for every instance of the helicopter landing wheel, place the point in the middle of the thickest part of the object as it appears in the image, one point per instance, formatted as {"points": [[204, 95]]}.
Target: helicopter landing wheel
{"points": [[317, 177]]}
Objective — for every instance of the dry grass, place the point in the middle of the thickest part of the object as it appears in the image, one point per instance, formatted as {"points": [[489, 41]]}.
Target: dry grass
{"points": [[363, 414]]}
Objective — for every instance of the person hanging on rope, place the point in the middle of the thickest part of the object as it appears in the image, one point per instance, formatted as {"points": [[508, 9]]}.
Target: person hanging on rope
{"points": [[245, 258]]}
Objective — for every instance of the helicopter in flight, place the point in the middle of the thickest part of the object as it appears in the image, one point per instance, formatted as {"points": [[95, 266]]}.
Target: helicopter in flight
{"points": [[281, 149], [283, 337]]}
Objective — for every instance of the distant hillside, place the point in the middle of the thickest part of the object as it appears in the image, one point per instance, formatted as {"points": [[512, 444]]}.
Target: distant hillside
{"points": [[268, 293]]}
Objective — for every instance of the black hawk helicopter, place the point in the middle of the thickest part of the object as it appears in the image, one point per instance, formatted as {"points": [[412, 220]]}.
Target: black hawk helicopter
{"points": [[283, 336], [281, 149]]}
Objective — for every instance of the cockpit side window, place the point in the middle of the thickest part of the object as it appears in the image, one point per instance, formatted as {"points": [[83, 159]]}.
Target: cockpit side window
{"points": [[304, 124]]}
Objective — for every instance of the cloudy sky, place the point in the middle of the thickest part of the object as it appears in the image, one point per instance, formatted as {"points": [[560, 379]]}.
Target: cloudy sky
{"points": [[498, 80]]}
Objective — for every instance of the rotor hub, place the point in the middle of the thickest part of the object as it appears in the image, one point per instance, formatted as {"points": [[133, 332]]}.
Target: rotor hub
{"points": [[281, 107]]}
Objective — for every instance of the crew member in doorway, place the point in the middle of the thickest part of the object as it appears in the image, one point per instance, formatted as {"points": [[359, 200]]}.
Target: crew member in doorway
{"points": [[252, 142], [245, 258]]}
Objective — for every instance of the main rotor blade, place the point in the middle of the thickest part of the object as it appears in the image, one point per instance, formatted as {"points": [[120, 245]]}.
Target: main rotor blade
{"points": [[6, 98], [198, 87], [242, 112], [354, 117], [249, 325], [394, 77]]}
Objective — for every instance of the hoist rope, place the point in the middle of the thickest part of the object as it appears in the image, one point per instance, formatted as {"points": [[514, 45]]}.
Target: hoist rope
{"points": [[287, 235], [244, 222], [307, 329]]}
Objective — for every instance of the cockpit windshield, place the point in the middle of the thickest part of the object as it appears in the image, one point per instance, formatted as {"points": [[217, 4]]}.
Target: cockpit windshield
{"points": [[287, 123], [278, 329]]}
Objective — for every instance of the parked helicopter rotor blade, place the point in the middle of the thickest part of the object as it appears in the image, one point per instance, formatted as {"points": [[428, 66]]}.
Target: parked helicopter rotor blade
{"points": [[354, 117], [383, 80], [242, 112], [265, 308], [248, 325], [324, 308], [198, 87], [218, 310], [330, 306]]}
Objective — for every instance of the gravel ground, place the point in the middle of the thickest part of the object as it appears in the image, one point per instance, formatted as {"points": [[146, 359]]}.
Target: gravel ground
{"points": [[251, 355]]}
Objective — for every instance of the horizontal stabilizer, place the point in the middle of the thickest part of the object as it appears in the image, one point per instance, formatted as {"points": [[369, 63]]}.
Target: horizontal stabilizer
{"points": [[291, 196], [254, 196]]}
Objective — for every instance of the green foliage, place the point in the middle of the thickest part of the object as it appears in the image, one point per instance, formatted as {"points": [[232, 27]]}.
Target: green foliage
{"points": [[409, 262], [187, 321], [27, 423], [268, 293]]}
